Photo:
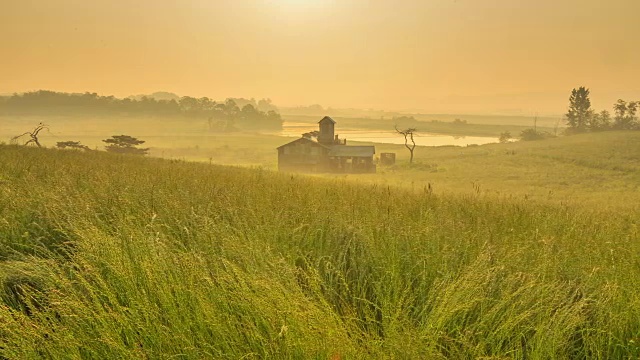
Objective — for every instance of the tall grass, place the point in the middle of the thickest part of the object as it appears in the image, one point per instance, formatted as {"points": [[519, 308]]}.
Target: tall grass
{"points": [[121, 257]]}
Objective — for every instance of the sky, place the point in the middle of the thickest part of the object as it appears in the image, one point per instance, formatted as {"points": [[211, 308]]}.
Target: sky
{"points": [[455, 56]]}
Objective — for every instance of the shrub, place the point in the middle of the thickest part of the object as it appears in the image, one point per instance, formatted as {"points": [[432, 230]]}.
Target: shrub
{"points": [[505, 137], [532, 134], [125, 144]]}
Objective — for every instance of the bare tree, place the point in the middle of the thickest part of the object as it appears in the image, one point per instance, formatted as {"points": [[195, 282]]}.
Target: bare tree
{"points": [[32, 134], [408, 135]]}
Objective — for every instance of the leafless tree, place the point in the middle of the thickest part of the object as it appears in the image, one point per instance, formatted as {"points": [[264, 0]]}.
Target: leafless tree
{"points": [[408, 135], [32, 134]]}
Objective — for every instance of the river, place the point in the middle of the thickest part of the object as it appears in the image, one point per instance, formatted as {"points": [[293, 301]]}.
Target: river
{"points": [[295, 129]]}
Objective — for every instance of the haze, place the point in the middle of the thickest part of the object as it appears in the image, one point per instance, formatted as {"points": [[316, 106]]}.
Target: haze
{"points": [[487, 56]]}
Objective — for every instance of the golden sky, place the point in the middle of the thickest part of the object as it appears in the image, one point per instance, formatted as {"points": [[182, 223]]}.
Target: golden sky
{"points": [[433, 55]]}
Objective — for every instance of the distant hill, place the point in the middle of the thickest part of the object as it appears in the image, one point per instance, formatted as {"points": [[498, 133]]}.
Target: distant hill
{"points": [[158, 95]]}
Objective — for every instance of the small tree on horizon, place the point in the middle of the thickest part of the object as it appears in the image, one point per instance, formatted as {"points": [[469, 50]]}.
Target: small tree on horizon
{"points": [[600, 121], [531, 135], [71, 145], [580, 112], [505, 137], [408, 135], [625, 115], [125, 144]]}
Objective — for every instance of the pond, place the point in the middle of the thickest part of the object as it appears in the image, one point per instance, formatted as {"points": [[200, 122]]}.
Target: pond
{"points": [[295, 129]]}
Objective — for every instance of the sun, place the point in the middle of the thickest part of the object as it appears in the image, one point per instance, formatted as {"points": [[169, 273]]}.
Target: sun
{"points": [[301, 4], [297, 2]]}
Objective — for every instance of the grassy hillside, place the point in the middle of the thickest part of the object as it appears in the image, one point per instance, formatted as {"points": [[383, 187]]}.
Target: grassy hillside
{"points": [[599, 170], [166, 137], [107, 256]]}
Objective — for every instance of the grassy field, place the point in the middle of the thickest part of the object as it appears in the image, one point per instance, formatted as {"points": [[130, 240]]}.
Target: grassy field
{"points": [[105, 256], [180, 139], [599, 170]]}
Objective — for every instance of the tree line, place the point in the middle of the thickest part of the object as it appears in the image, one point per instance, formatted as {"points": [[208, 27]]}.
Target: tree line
{"points": [[230, 115], [581, 117]]}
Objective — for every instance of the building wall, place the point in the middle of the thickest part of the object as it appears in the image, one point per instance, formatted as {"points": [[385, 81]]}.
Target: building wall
{"points": [[303, 156], [345, 164], [326, 135], [308, 156]]}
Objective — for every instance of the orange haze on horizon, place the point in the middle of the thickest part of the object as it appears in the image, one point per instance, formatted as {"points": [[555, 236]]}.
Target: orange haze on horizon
{"points": [[487, 56]]}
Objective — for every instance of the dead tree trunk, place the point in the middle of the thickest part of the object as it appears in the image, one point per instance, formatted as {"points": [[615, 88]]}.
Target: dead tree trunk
{"points": [[408, 135], [32, 134]]}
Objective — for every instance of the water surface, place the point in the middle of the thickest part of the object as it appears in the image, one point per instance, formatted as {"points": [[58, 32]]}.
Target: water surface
{"points": [[295, 129]]}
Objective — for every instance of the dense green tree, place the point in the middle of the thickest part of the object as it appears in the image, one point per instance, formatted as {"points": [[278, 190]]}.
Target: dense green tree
{"points": [[625, 115], [600, 121], [189, 105], [579, 115], [266, 105], [274, 117], [249, 110], [231, 108]]}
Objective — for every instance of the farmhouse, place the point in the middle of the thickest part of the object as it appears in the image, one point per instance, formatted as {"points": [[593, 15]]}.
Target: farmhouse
{"points": [[323, 151]]}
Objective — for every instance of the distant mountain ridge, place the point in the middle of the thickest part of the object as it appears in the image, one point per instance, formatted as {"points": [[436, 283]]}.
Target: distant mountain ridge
{"points": [[158, 95]]}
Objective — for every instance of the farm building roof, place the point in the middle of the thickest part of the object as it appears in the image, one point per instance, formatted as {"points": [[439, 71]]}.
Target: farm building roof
{"points": [[327, 118], [352, 151], [303, 139]]}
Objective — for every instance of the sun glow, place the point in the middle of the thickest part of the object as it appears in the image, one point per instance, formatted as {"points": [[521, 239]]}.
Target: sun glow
{"points": [[297, 5]]}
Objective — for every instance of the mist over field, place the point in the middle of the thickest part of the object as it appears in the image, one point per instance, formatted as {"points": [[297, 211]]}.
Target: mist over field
{"points": [[319, 179]]}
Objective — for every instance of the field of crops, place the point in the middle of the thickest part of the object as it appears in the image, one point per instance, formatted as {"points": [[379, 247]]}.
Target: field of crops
{"points": [[106, 256]]}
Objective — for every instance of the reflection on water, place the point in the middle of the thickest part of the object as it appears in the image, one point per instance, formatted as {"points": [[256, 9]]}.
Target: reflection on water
{"points": [[293, 129]]}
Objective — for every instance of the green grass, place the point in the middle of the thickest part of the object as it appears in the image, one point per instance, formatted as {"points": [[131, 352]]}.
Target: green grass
{"points": [[171, 138], [594, 170], [597, 171], [106, 256]]}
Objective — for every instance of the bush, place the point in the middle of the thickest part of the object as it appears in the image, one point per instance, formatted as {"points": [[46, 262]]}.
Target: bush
{"points": [[125, 144], [71, 145], [532, 134], [505, 137]]}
